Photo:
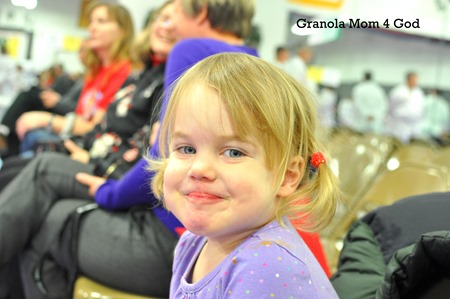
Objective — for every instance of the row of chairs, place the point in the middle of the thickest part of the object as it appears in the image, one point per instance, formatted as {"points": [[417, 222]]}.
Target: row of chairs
{"points": [[377, 170]]}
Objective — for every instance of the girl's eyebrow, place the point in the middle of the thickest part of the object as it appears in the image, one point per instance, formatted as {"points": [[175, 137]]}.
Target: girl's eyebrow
{"points": [[225, 138], [179, 135]]}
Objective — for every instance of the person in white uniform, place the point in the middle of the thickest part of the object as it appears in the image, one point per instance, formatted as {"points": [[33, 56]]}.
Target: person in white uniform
{"points": [[371, 104], [281, 57], [406, 108], [296, 66], [436, 119]]}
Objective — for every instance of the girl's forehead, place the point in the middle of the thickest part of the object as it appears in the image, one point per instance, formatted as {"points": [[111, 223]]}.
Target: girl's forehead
{"points": [[197, 97], [201, 105]]}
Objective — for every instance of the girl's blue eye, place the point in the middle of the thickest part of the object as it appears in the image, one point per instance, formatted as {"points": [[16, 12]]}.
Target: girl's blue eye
{"points": [[188, 150], [233, 153]]}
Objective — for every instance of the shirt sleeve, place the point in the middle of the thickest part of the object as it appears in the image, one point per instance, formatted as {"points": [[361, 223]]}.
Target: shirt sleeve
{"points": [[132, 189], [69, 100]]}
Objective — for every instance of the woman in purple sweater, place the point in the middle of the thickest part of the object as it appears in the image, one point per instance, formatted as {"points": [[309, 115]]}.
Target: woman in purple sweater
{"points": [[31, 209]]}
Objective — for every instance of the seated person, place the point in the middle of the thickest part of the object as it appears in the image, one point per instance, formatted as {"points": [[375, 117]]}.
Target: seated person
{"points": [[108, 64], [134, 103], [35, 99]]}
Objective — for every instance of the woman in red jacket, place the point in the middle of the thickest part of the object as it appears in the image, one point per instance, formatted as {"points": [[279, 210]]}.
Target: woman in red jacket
{"points": [[108, 63]]}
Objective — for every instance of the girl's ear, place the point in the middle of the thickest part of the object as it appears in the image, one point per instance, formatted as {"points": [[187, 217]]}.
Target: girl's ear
{"points": [[292, 177]]}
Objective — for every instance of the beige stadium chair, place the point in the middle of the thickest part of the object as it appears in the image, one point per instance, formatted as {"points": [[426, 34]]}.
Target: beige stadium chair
{"points": [[356, 163], [414, 152], [340, 136], [88, 289], [383, 143], [410, 178], [357, 159], [389, 186], [442, 157]]}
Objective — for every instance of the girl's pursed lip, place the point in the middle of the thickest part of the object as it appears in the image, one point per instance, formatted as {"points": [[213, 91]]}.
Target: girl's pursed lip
{"points": [[203, 196]]}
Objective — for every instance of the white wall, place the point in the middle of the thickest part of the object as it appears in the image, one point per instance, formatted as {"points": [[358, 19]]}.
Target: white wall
{"points": [[49, 26], [388, 56], [139, 10], [52, 20]]}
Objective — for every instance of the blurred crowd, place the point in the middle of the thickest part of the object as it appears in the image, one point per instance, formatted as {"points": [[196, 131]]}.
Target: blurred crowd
{"points": [[405, 111]]}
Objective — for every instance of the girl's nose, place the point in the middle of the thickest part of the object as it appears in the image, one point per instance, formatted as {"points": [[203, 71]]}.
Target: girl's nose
{"points": [[202, 168]]}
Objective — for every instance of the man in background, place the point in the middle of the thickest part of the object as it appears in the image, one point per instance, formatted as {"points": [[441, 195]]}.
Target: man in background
{"points": [[371, 104], [435, 124], [406, 109], [281, 56], [298, 64]]}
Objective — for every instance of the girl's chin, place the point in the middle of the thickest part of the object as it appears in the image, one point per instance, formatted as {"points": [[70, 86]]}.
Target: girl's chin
{"points": [[197, 227]]}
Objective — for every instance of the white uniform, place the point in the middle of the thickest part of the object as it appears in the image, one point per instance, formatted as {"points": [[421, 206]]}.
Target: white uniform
{"points": [[348, 115], [371, 102], [297, 68], [281, 65], [436, 117], [405, 112], [326, 107]]}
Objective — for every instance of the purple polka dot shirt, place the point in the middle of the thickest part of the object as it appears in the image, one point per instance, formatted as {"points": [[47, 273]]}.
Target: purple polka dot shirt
{"points": [[273, 262]]}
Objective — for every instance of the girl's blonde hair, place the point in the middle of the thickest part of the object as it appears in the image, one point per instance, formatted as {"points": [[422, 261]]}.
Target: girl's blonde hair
{"points": [[121, 49], [264, 103]]}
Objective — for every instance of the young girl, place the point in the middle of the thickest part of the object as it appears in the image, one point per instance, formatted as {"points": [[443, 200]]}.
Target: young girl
{"points": [[239, 155]]}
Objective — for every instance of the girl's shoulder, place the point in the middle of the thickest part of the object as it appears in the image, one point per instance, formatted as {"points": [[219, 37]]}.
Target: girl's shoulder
{"points": [[274, 239], [189, 243], [273, 261]]}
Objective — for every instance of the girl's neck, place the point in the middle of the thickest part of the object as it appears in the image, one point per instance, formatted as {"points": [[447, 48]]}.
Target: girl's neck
{"points": [[208, 259], [214, 252]]}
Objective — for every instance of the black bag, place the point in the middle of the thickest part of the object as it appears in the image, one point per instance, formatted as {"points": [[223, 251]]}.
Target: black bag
{"points": [[113, 165], [67, 244]]}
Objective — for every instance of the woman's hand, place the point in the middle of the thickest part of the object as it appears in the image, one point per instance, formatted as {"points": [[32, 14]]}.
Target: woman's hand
{"points": [[131, 155], [77, 153], [93, 182], [30, 121], [49, 98]]}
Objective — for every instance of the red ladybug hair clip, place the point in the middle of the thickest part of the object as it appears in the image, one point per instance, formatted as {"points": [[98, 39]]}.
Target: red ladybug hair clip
{"points": [[316, 159]]}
